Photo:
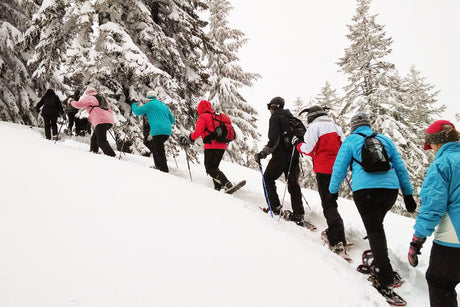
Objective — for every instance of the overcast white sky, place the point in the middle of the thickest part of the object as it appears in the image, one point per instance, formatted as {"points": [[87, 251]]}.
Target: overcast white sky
{"points": [[295, 44]]}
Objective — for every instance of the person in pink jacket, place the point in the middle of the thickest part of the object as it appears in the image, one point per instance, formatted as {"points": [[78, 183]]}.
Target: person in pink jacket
{"points": [[100, 117]]}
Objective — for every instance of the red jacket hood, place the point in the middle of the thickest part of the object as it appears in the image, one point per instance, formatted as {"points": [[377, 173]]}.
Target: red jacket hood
{"points": [[204, 106]]}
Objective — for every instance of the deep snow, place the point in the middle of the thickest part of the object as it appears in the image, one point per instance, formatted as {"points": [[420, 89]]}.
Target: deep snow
{"points": [[80, 229]]}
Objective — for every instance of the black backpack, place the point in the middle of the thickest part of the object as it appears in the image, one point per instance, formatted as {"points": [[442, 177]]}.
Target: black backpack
{"points": [[102, 103], [224, 132], [374, 155], [292, 126]]}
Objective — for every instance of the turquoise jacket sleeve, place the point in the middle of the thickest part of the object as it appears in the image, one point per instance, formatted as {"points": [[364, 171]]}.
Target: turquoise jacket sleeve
{"points": [[139, 110], [434, 193]]}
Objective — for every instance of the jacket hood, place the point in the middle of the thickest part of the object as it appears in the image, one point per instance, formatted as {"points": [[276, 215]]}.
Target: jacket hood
{"points": [[204, 106]]}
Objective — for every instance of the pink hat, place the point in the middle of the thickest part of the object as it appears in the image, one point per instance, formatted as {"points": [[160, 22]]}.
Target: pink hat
{"points": [[91, 91], [433, 135]]}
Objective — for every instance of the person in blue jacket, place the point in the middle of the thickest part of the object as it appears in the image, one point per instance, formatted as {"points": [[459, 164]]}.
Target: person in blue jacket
{"points": [[440, 207], [160, 120], [373, 193]]}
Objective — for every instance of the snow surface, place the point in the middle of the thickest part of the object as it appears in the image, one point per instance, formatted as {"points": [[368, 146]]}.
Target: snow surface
{"points": [[80, 229]]}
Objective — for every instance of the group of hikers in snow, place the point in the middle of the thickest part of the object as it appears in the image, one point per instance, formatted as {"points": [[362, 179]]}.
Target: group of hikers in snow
{"points": [[374, 193]]}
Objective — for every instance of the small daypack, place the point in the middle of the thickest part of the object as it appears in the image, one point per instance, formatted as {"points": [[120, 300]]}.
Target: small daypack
{"points": [[102, 102], [374, 155], [292, 126], [224, 132]]}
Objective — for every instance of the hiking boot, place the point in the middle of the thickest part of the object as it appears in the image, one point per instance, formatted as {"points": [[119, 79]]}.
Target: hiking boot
{"points": [[275, 210], [397, 281], [217, 184], [296, 218], [339, 249]]}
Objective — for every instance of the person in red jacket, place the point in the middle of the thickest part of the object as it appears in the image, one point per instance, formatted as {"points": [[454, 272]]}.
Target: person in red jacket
{"points": [[322, 142], [213, 150]]}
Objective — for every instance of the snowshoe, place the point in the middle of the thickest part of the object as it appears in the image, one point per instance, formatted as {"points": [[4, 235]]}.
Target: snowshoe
{"points": [[230, 188], [288, 215], [325, 239], [388, 293], [367, 267], [276, 210]]}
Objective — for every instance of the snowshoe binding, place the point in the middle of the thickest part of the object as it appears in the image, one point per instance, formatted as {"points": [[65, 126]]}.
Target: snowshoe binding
{"points": [[367, 267], [387, 292], [339, 249], [288, 215]]}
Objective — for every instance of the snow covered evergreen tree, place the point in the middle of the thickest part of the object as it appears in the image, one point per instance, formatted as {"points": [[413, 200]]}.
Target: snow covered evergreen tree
{"points": [[328, 98], [376, 88], [124, 49], [371, 79], [17, 99], [226, 78]]}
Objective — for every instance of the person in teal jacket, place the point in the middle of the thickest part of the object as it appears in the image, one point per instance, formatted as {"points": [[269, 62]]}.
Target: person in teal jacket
{"points": [[374, 194], [440, 194], [160, 120]]}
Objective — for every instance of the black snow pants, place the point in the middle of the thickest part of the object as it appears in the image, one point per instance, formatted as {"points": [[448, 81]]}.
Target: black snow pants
{"points": [[157, 146], [50, 124], [335, 229], [71, 117], [99, 139], [373, 205], [275, 168], [443, 275], [212, 158]]}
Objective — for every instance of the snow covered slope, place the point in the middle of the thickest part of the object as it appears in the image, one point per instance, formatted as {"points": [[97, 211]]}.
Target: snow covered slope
{"points": [[80, 229]]}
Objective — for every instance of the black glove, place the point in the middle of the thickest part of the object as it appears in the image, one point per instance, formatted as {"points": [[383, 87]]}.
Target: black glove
{"points": [[295, 141], [259, 156], [414, 250], [335, 196], [410, 203], [129, 101], [186, 141]]}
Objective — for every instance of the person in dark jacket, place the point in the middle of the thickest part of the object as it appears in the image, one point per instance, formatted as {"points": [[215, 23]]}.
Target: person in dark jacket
{"points": [[374, 194], [440, 210], [281, 152], [71, 111], [213, 150], [51, 108], [160, 121], [322, 142]]}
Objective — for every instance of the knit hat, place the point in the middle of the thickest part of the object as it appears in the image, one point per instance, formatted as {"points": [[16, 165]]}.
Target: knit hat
{"points": [[314, 112], [359, 119], [437, 133], [90, 91], [151, 94], [276, 103]]}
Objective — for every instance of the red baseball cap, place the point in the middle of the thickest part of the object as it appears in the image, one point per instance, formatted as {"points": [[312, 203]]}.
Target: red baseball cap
{"points": [[435, 128]]}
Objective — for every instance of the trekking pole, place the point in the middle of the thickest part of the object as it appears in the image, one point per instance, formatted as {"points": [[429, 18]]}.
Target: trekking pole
{"points": [[265, 189], [287, 177], [173, 154], [348, 181], [306, 201], [188, 164]]}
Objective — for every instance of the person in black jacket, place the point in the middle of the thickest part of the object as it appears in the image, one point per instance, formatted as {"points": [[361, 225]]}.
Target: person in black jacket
{"points": [[51, 108], [281, 152], [71, 111]]}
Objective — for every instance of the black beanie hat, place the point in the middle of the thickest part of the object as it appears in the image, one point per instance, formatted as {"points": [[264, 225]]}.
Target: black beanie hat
{"points": [[276, 103]]}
